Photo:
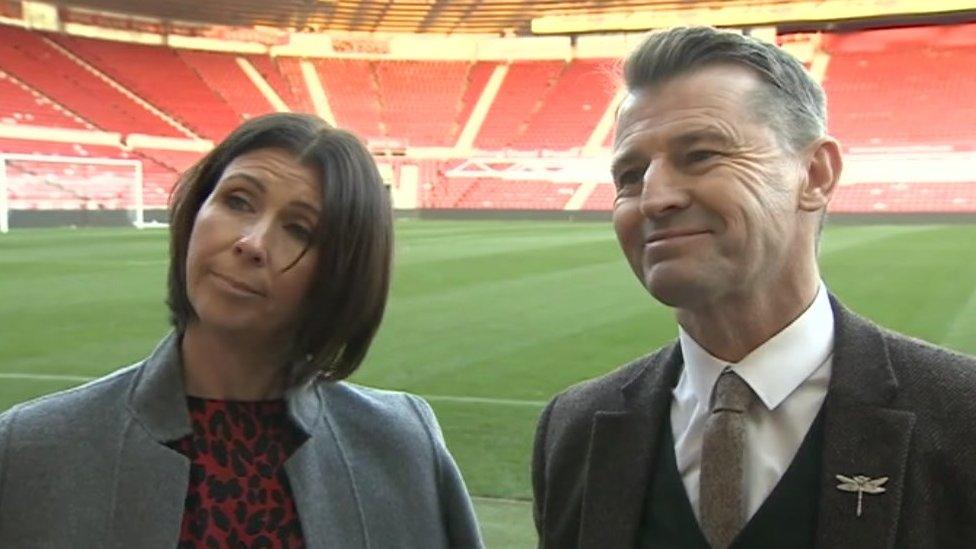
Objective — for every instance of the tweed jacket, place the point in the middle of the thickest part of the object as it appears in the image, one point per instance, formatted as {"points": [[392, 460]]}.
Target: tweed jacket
{"points": [[88, 467], [896, 407]]}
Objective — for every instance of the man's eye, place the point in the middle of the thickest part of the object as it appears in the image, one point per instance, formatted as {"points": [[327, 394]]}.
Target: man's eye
{"points": [[701, 156], [629, 177]]}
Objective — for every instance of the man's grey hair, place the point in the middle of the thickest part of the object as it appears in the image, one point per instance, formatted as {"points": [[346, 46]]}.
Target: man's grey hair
{"points": [[792, 103]]}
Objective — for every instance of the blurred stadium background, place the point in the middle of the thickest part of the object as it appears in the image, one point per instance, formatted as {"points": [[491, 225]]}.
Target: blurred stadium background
{"points": [[491, 121]]}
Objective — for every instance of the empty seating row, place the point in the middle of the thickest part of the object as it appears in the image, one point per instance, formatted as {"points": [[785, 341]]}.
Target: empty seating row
{"points": [[497, 194]]}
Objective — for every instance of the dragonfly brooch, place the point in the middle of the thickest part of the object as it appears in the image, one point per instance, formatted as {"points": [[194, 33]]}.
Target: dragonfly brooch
{"points": [[862, 485]]}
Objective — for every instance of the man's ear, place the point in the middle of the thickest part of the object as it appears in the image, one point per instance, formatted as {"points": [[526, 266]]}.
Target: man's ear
{"points": [[824, 165]]}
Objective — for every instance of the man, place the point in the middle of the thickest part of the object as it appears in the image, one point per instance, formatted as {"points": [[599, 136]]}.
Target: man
{"points": [[778, 418]]}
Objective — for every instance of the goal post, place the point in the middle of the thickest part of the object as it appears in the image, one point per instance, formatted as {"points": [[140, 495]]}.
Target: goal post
{"points": [[39, 182]]}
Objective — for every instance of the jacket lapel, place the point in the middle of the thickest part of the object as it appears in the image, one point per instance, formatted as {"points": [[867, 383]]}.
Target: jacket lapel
{"points": [[150, 478], [864, 437], [150, 492], [320, 478], [622, 442]]}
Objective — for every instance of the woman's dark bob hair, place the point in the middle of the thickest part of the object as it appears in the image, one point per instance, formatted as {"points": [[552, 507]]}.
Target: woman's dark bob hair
{"points": [[354, 237]]}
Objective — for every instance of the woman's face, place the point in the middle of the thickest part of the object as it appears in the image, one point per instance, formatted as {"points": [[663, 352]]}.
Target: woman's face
{"points": [[241, 268]]}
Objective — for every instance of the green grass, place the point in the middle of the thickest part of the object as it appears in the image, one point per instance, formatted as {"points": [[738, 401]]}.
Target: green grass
{"points": [[502, 314]]}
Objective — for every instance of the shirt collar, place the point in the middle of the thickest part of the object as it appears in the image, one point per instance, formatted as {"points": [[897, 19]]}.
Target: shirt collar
{"points": [[777, 367]]}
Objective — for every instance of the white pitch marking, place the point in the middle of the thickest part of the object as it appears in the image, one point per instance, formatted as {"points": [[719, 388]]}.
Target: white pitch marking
{"points": [[491, 499], [486, 400], [435, 398], [44, 377]]}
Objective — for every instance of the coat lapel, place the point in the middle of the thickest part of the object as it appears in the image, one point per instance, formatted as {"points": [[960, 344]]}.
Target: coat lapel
{"points": [[150, 492], [863, 436], [151, 479], [321, 481], [622, 442]]}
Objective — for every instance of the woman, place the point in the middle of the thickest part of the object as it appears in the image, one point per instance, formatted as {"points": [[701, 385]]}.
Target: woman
{"points": [[237, 430]]}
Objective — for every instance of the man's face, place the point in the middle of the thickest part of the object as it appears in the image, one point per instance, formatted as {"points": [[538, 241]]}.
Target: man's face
{"points": [[707, 196]]}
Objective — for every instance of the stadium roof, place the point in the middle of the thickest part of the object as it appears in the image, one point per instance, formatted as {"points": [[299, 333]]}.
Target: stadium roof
{"points": [[500, 17], [434, 16]]}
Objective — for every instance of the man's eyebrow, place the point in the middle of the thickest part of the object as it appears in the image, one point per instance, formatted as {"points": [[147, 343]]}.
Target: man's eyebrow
{"points": [[693, 137], [619, 162]]}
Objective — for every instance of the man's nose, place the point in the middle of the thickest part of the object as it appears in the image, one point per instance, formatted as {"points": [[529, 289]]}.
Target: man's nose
{"points": [[662, 192]]}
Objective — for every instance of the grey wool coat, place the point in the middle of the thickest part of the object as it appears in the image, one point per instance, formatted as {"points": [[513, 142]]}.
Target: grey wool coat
{"points": [[896, 407], [88, 467]]}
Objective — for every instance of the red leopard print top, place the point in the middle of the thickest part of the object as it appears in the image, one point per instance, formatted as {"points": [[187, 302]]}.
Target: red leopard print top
{"points": [[239, 495]]}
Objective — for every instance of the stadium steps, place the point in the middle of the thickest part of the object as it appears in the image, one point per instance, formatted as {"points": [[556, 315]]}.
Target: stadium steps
{"points": [[43, 67], [122, 89], [382, 106], [420, 100], [229, 83], [480, 110], [160, 76], [466, 194], [477, 77], [34, 107], [518, 140], [601, 198], [351, 88], [316, 92], [604, 128], [525, 84], [571, 107], [262, 85], [581, 195], [285, 73]]}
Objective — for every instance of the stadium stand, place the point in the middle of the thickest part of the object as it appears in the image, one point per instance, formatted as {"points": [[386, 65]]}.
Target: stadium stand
{"points": [[420, 101], [522, 94], [898, 87], [499, 194], [20, 104], [32, 59], [516, 195], [162, 78], [601, 198], [572, 107], [919, 197], [227, 80], [475, 85], [445, 193], [889, 91], [292, 92], [353, 93]]}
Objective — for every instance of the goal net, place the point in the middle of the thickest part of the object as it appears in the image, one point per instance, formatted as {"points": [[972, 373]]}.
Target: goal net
{"points": [[76, 190]]}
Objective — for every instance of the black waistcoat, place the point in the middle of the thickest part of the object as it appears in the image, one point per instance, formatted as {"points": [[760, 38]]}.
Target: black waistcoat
{"points": [[788, 517]]}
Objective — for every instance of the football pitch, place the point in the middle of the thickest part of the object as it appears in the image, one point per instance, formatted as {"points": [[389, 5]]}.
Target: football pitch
{"points": [[487, 320]]}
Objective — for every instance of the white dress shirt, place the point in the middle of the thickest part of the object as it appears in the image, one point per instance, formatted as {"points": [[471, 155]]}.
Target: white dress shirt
{"points": [[789, 374]]}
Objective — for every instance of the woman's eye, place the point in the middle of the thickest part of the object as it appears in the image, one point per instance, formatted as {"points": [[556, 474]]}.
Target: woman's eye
{"points": [[238, 203], [299, 232]]}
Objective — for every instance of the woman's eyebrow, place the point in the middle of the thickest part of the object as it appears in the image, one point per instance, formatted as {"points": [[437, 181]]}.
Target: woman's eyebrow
{"points": [[306, 206], [250, 178]]}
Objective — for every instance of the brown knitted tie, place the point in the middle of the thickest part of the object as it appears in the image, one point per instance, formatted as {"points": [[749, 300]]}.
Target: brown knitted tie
{"points": [[720, 498]]}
